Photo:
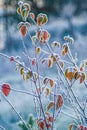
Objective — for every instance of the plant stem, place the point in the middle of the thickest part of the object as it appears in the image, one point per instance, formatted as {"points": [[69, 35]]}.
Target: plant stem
{"points": [[20, 117]]}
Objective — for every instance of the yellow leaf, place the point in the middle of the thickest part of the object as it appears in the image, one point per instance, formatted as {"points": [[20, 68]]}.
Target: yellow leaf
{"points": [[19, 10], [51, 104], [21, 70], [47, 91], [66, 72], [38, 50]]}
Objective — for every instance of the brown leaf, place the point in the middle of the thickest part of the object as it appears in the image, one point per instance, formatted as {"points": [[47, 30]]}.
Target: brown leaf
{"points": [[45, 81], [76, 75], [70, 127], [50, 62], [51, 83], [51, 104], [82, 77], [59, 102]]}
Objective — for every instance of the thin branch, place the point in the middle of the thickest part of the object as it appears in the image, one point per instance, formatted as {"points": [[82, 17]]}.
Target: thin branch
{"points": [[20, 117]]}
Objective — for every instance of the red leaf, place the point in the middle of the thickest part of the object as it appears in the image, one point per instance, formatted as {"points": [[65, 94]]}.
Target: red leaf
{"points": [[12, 58], [6, 89], [23, 30]]}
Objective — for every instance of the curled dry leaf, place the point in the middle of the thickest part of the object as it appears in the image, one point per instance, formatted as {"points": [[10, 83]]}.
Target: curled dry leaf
{"points": [[50, 62], [59, 102], [21, 70], [76, 75], [6, 89], [61, 63], [65, 49], [45, 81], [50, 105]]}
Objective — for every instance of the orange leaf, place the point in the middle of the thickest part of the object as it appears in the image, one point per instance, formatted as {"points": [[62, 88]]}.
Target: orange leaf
{"points": [[59, 102], [6, 89], [70, 75], [23, 30]]}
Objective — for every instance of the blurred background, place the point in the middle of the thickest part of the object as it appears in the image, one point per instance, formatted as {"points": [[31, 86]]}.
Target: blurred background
{"points": [[66, 17]]}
